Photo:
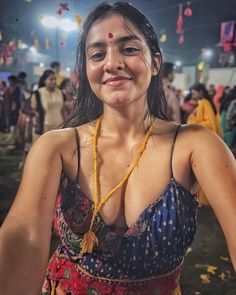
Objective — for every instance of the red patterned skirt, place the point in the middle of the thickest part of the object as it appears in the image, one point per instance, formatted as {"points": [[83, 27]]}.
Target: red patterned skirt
{"points": [[65, 277]]}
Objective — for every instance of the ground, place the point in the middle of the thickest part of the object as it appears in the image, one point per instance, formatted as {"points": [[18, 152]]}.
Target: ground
{"points": [[209, 249]]}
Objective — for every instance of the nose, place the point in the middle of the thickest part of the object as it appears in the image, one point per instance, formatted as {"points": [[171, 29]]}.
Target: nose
{"points": [[113, 61]]}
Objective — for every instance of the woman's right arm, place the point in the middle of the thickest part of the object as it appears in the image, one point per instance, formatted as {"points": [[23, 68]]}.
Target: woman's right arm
{"points": [[33, 102], [26, 232]]}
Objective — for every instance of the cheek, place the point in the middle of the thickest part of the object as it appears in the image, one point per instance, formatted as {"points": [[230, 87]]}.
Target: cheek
{"points": [[143, 70], [92, 72]]}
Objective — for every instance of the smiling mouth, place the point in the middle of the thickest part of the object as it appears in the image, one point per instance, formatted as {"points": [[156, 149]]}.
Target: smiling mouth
{"points": [[117, 81]]}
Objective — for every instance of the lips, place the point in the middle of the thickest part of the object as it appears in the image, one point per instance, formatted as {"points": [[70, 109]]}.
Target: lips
{"points": [[116, 80]]}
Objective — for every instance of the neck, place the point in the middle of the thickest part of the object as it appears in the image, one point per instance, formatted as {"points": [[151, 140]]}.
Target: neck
{"points": [[50, 89], [125, 124]]}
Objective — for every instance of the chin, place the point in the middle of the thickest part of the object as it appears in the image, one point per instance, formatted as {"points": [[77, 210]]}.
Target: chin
{"points": [[118, 101]]}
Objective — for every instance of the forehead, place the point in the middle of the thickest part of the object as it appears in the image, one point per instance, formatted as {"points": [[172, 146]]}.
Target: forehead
{"points": [[51, 76], [114, 24]]}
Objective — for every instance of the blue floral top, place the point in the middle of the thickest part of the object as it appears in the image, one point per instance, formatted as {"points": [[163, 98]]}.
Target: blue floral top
{"points": [[153, 245]]}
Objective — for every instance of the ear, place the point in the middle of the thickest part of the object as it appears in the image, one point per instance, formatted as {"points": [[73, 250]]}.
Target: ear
{"points": [[156, 64]]}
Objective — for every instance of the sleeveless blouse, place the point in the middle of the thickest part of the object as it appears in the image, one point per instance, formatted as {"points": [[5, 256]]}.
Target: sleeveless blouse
{"points": [[52, 103], [145, 258]]}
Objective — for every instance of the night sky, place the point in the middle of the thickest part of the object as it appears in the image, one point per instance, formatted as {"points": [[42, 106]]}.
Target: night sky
{"points": [[20, 19]]}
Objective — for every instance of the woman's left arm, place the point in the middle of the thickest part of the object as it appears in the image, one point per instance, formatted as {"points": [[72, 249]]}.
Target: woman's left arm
{"points": [[215, 169]]}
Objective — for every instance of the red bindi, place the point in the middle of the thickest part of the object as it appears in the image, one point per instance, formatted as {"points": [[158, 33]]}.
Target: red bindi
{"points": [[110, 35]]}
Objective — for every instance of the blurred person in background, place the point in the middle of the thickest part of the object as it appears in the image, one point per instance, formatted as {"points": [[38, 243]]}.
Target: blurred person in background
{"points": [[48, 103], [227, 90], [212, 91], [67, 89], [187, 107], [205, 113], [11, 107], [56, 67], [3, 86], [173, 104], [230, 134], [218, 96], [24, 107], [225, 101]]}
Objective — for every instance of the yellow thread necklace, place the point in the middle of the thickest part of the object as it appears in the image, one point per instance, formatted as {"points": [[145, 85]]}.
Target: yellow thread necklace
{"points": [[90, 238]]}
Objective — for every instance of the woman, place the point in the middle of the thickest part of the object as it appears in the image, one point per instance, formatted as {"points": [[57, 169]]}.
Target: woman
{"points": [[134, 241], [47, 101], [218, 96], [205, 113], [68, 96], [229, 129], [231, 121]]}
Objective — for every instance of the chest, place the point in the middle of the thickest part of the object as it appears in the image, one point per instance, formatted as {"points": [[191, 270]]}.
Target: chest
{"points": [[145, 184], [51, 101]]}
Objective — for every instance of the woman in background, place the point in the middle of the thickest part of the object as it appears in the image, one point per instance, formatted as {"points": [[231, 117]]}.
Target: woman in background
{"points": [[67, 89], [48, 103], [205, 114]]}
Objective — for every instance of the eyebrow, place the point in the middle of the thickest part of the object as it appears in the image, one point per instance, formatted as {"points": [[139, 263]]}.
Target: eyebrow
{"points": [[118, 41]]}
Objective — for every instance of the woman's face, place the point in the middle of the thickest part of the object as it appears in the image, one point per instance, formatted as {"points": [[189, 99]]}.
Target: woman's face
{"points": [[118, 62], [69, 87], [50, 82], [196, 95]]}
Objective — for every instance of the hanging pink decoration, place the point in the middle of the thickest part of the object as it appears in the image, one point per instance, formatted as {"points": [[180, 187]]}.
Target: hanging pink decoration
{"points": [[188, 11], [180, 20], [59, 12], [227, 36], [228, 47], [62, 8], [227, 32], [181, 39], [6, 52]]}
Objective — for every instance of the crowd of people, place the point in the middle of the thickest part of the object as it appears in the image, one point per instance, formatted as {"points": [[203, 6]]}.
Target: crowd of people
{"points": [[213, 107], [26, 111]]}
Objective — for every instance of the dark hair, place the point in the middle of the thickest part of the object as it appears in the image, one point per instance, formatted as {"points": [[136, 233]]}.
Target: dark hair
{"points": [[167, 68], [226, 99], [22, 75], [55, 64], [4, 83], [44, 77], [64, 83], [200, 87], [88, 107], [12, 78]]}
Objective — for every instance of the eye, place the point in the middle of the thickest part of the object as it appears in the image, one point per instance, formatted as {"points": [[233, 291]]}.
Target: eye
{"points": [[97, 56], [130, 50]]}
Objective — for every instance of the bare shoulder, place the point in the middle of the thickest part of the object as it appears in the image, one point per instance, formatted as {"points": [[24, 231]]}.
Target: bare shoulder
{"points": [[192, 136], [54, 140], [203, 140]]}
